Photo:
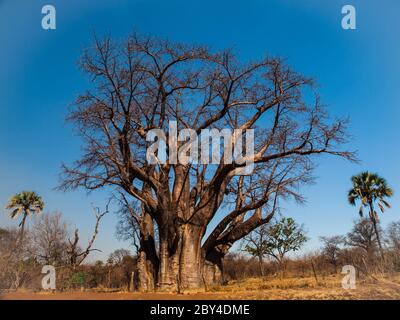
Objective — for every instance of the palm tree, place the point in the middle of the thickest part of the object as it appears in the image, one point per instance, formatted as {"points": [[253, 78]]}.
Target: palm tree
{"points": [[370, 189], [24, 203]]}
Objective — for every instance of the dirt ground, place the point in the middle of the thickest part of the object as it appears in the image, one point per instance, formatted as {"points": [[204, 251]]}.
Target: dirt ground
{"points": [[255, 288]]}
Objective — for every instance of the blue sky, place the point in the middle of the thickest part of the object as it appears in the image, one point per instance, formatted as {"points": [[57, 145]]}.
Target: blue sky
{"points": [[358, 72]]}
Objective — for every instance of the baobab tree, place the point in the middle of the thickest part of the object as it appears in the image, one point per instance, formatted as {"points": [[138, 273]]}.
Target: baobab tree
{"points": [[145, 83]]}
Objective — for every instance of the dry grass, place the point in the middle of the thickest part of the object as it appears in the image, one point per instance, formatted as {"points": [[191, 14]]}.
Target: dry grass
{"points": [[379, 287]]}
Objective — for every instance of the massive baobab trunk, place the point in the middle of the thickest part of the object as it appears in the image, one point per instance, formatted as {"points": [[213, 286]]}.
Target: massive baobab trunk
{"points": [[192, 211], [181, 262], [182, 266], [177, 265]]}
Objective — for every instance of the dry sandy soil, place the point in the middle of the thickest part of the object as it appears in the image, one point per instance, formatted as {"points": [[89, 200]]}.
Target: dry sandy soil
{"points": [[255, 288]]}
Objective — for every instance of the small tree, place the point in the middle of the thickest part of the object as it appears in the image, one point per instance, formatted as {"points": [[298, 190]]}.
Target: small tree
{"points": [[393, 242], [117, 257], [49, 239], [277, 240], [393, 236], [363, 236], [332, 248], [122, 265], [254, 243]]}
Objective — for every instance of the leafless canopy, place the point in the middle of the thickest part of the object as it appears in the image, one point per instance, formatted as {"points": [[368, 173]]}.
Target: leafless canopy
{"points": [[143, 83]]}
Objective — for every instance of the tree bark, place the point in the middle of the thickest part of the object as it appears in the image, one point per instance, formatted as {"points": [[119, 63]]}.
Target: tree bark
{"points": [[21, 235], [148, 262], [181, 263], [191, 258], [214, 265], [147, 275], [260, 263], [378, 238]]}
